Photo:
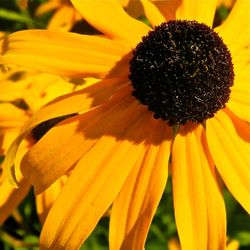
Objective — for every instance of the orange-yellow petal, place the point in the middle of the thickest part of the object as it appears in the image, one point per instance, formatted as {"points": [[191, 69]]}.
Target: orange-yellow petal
{"points": [[78, 101], [112, 20], [235, 31], [64, 144], [231, 154], [239, 104], [134, 208], [239, 101], [152, 13], [46, 199], [133, 7], [62, 53], [47, 6], [11, 116], [198, 202], [93, 185], [11, 197], [201, 11], [167, 8], [63, 19]]}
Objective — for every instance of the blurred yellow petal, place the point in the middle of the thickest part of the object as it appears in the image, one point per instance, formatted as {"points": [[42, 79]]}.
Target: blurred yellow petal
{"points": [[134, 208], [201, 11], [63, 19], [11, 116], [9, 89], [112, 20], [46, 88], [198, 202], [174, 244], [10, 197], [47, 6], [233, 245], [231, 154], [62, 53]]}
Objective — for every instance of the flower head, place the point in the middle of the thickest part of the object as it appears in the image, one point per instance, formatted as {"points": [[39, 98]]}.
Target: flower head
{"points": [[115, 150]]}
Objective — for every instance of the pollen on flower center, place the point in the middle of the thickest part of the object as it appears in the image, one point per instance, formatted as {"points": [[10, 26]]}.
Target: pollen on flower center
{"points": [[182, 71]]}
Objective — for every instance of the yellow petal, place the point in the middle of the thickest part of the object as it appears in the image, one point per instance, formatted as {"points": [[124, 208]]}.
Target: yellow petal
{"points": [[64, 144], [233, 245], [235, 31], [46, 88], [11, 116], [133, 7], [11, 89], [62, 53], [109, 17], [11, 197], [201, 11], [48, 6], [91, 188], [63, 19], [134, 208], [239, 101], [174, 244], [198, 203], [78, 101], [152, 13], [167, 8], [231, 154], [46, 199], [239, 104], [241, 58]]}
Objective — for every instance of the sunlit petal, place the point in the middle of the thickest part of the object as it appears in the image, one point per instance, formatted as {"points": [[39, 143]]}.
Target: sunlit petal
{"points": [[198, 203], [201, 11], [136, 204], [235, 31], [112, 20], [231, 154], [62, 53]]}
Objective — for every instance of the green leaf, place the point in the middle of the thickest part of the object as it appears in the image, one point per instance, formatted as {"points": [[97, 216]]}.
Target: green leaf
{"points": [[15, 16]]}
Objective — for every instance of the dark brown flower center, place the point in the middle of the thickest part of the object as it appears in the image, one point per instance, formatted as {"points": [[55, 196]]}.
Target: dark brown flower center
{"points": [[182, 71]]}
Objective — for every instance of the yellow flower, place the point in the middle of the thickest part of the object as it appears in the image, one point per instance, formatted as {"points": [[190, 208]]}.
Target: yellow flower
{"points": [[115, 151], [64, 17]]}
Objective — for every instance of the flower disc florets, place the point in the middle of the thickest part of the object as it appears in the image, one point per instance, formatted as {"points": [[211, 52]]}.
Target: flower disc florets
{"points": [[183, 71]]}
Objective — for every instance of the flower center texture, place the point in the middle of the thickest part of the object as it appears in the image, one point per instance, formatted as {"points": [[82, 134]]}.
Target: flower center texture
{"points": [[182, 71]]}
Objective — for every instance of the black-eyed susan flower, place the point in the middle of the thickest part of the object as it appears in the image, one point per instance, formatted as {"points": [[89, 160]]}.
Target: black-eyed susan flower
{"points": [[180, 89]]}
